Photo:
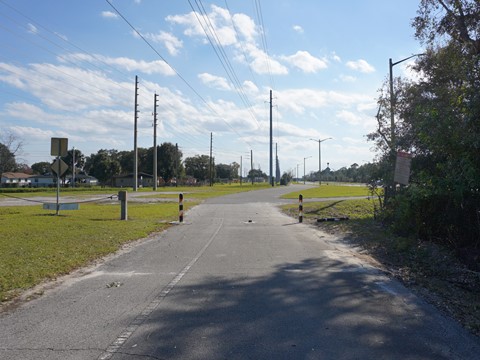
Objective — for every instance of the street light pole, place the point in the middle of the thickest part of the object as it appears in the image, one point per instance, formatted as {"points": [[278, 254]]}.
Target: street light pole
{"points": [[305, 158], [320, 158], [393, 141], [392, 100]]}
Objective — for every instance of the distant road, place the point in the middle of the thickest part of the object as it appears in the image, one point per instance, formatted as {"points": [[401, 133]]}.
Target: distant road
{"points": [[238, 280]]}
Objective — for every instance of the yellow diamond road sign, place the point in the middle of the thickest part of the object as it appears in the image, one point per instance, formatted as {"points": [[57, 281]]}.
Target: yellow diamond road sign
{"points": [[59, 167]]}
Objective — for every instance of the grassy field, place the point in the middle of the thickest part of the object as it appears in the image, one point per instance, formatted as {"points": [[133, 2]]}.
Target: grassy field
{"points": [[327, 190], [35, 244]]}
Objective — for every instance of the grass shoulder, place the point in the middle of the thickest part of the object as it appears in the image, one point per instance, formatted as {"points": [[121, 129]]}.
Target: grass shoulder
{"points": [[432, 271]]}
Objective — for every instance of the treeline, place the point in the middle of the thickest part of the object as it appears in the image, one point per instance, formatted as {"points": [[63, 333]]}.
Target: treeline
{"points": [[437, 120], [355, 173], [106, 164]]}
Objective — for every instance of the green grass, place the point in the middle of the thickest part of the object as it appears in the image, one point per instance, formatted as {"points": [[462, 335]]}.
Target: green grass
{"points": [[426, 266], [328, 190], [35, 244], [355, 209]]}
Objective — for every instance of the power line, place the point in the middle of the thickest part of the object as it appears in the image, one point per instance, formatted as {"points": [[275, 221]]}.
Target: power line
{"points": [[173, 69], [219, 50], [258, 8]]}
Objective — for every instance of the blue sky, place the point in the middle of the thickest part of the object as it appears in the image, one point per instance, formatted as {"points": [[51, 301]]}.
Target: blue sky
{"points": [[67, 69]]}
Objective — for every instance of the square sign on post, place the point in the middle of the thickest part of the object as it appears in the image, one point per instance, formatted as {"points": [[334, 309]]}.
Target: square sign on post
{"points": [[402, 168], [59, 147]]}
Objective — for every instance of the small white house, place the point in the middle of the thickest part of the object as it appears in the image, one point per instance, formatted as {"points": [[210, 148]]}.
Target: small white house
{"points": [[42, 181], [14, 179]]}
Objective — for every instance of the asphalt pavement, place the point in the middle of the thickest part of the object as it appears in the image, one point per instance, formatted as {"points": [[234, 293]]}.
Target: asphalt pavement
{"points": [[237, 280]]}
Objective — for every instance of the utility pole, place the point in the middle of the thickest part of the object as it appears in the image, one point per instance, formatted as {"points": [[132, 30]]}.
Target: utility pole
{"points": [[135, 148], [176, 164], [155, 179], [210, 167], [241, 163], [73, 167], [251, 164], [271, 142], [277, 170]]}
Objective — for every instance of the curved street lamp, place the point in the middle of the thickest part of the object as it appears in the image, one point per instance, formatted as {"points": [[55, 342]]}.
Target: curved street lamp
{"points": [[320, 158], [392, 100], [393, 145]]}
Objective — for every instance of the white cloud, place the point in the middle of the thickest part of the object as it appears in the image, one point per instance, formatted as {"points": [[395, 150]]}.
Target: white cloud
{"points": [[109, 15], [298, 29], [32, 29], [347, 78], [300, 100], [250, 87], [348, 117], [218, 18], [306, 62], [335, 57], [245, 26], [214, 81], [261, 63], [147, 67], [170, 41], [361, 65]]}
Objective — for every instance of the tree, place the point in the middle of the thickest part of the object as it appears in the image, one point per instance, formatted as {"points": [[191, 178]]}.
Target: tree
{"points": [[103, 165], [7, 159], [438, 121], [198, 167], [42, 168], [79, 160], [224, 171], [257, 173], [169, 161], [10, 148]]}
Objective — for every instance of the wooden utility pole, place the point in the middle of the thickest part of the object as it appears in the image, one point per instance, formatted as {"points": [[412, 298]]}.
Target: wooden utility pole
{"points": [[135, 148], [211, 160], [271, 143], [155, 176], [251, 164]]}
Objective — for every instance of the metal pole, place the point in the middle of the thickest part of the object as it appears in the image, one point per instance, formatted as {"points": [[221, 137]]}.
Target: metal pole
{"points": [[392, 105], [58, 181], [304, 170]]}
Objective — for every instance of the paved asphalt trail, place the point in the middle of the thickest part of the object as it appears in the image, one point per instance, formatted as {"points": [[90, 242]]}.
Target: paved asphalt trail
{"points": [[238, 280]]}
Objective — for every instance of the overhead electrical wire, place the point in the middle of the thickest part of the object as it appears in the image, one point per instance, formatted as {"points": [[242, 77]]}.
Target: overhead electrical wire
{"points": [[258, 8], [173, 69], [244, 53], [219, 50]]}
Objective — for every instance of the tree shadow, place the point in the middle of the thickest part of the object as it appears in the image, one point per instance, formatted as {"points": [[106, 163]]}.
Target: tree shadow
{"points": [[319, 308]]}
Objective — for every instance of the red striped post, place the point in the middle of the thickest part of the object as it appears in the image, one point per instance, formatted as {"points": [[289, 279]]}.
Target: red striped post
{"points": [[180, 207], [300, 208]]}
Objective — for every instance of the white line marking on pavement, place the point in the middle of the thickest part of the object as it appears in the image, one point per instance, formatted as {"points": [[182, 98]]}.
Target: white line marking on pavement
{"points": [[135, 324]]}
